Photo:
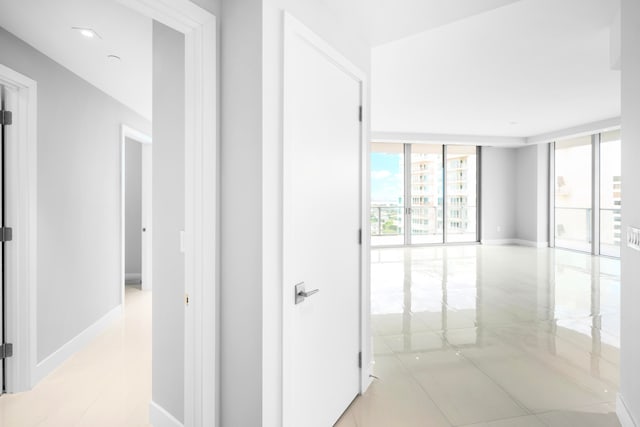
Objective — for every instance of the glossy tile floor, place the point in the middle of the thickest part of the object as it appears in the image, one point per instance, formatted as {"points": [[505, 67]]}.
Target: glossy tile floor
{"points": [[492, 336], [106, 384]]}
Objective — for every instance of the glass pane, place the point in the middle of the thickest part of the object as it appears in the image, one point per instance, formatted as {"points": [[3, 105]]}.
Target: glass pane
{"points": [[461, 193], [573, 193], [387, 194], [610, 193], [426, 194]]}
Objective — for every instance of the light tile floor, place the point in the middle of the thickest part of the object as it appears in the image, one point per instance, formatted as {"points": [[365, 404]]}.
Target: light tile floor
{"points": [[492, 336], [463, 336], [106, 384]]}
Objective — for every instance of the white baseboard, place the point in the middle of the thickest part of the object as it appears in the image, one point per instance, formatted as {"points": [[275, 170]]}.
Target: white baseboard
{"points": [[531, 243], [159, 417], [519, 242], [499, 242], [626, 420], [57, 358], [132, 276]]}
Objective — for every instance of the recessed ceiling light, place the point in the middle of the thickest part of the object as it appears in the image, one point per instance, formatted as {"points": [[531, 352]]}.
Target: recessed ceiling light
{"points": [[114, 58], [89, 33]]}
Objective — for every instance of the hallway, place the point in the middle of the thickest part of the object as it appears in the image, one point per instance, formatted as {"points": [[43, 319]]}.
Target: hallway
{"points": [[493, 336], [107, 384]]}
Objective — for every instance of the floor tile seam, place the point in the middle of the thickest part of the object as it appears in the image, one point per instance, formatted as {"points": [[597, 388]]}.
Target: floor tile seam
{"points": [[557, 372], [517, 401], [572, 408], [501, 419], [415, 381], [77, 420]]}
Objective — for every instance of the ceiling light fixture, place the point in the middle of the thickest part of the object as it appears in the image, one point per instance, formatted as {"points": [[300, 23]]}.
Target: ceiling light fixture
{"points": [[89, 33]]}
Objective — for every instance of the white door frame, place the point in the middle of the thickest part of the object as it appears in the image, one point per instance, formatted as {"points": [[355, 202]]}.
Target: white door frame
{"points": [[294, 28], [145, 141], [22, 215], [201, 196]]}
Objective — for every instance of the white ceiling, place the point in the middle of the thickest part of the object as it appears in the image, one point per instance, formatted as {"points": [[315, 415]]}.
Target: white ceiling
{"points": [[46, 25], [382, 21], [527, 68], [512, 68]]}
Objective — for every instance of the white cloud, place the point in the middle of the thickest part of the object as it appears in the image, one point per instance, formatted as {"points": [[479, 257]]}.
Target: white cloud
{"points": [[380, 174]]}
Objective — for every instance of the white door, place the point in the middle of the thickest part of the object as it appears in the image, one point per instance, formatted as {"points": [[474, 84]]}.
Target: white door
{"points": [[147, 176], [321, 235]]}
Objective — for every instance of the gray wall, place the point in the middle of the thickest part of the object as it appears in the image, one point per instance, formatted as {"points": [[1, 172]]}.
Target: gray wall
{"points": [[630, 260], [532, 193], [168, 220], [168, 213], [241, 215], [133, 207], [78, 196], [498, 185]]}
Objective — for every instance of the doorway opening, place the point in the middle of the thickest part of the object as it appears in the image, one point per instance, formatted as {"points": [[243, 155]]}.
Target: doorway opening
{"points": [[136, 202], [200, 183]]}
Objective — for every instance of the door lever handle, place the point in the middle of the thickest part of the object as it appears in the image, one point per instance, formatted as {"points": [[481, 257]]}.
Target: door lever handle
{"points": [[306, 294], [301, 293]]}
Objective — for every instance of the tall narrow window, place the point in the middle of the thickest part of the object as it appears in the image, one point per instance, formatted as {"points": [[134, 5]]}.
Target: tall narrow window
{"points": [[573, 193], [461, 194], [610, 193], [427, 201], [387, 194]]}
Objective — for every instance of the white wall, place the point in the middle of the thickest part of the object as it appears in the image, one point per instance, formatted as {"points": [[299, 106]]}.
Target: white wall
{"points": [[498, 203], [168, 220], [78, 196], [630, 260], [532, 201], [251, 198], [133, 209]]}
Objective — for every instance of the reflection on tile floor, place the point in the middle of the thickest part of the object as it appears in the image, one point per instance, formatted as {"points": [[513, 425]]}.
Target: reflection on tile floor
{"points": [[106, 384], [499, 336]]}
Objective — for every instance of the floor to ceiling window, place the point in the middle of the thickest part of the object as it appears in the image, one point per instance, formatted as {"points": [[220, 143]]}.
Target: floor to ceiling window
{"points": [[461, 192], [587, 193], [427, 202], [610, 193], [573, 193], [423, 194], [387, 194]]}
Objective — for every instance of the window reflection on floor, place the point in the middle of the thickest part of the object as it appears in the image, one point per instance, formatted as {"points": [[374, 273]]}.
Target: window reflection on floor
{"points": [[479, 334]]}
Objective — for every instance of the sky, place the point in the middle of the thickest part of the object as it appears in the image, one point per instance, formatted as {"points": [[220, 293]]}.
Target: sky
{"points": [[386, 177]]}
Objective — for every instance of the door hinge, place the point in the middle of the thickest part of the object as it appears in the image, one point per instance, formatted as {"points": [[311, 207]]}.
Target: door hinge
{"points": [[5, 117], [360, 236], [360, 113], [6, 234], [6, 350], [186, 299], [360, 360]]}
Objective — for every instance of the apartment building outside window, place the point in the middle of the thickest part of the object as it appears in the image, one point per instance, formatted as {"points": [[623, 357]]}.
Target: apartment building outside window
{"points": [[423, 194]]}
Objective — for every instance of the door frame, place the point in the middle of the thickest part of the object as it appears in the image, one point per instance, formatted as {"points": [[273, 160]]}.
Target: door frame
{"points": [[294, 28], [146, 142], [22, 215], [201, 199]]}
